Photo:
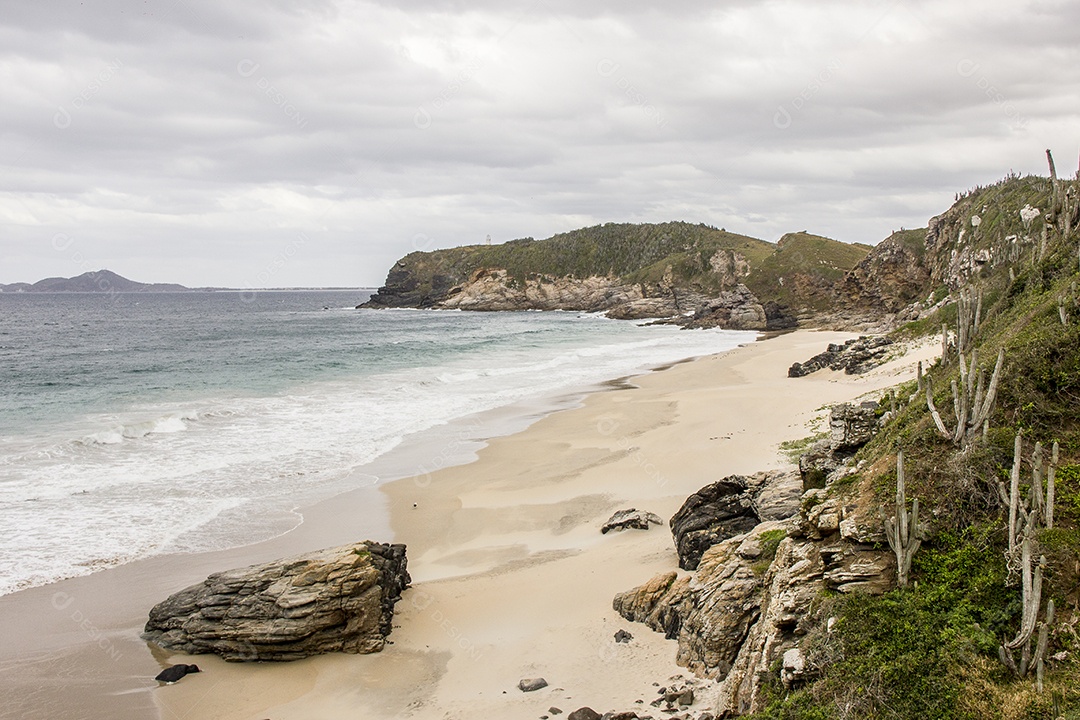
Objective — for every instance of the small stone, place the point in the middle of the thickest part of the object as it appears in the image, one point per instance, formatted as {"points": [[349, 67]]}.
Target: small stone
{"points": [[531, 684], [554, 710], [687, 697], [173, 673], [584, 713], [622, 636]]}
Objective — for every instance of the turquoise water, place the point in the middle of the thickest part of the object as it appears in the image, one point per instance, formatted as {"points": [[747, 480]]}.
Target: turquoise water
{"points": [[138, 424]]}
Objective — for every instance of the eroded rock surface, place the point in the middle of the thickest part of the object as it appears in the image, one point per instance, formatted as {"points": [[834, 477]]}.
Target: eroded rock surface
{"points": [[853, 357], [335, 600]]}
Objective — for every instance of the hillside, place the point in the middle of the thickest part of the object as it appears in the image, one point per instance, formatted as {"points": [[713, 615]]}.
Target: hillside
{"points": [[937, 648], [100, 281], [655, 270]]}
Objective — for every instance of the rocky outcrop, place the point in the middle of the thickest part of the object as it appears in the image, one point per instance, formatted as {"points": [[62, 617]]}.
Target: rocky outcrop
{"points": [[735, 309], [854, 357], [891, 278], [850, 427], [730, 507], [335, 600], [631, 519], [495, 289], [745, 613], [644, 309]]}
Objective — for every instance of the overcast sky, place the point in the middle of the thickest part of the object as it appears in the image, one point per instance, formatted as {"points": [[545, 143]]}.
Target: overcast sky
{"points": [[313, 142]]}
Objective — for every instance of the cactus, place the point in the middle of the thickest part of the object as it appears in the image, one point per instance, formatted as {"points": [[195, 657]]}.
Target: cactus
{"points": [[972, 400], [903, 531], [1026, 517]]}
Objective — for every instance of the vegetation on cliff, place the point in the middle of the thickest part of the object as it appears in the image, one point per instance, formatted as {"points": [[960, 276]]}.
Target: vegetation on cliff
{"points": [[667, 259], [936, 648]]}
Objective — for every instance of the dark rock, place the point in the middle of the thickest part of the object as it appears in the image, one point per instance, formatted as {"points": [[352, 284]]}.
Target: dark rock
{"points": [[174, 672], [632, 518], [853, 357], [687, 697], [712, 514], [554, 710], [584, 713], [623, 636], [335, 600], [736, 309], [531, 684], [779, 317]]}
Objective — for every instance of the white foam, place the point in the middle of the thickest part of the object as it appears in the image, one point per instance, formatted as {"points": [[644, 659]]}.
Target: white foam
{"points": [[229, 470]]}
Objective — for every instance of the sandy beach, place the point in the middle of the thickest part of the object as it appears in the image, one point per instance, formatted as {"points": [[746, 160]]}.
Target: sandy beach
{"points": [[511, 575]]}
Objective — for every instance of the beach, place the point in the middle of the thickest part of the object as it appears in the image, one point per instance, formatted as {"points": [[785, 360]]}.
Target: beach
{"points": [[511, 576]]}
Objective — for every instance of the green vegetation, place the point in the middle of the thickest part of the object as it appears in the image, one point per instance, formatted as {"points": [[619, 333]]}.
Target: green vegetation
{"points": [[770, 541], [931, 650], [664, 258], [804, 268]]}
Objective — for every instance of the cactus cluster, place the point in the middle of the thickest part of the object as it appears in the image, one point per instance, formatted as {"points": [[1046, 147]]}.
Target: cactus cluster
{"points": [[902, 530], [973, 400], [1027, 516]]}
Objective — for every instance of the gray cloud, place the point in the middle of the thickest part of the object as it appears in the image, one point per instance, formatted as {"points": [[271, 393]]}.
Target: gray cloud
{"points": [[200, 142]]}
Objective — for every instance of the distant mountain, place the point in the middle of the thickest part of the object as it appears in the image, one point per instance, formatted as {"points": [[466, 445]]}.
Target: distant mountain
{"points": [[100, 281]]}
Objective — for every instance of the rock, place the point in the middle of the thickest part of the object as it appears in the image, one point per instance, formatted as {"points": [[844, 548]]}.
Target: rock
{"points": [[711, 515], [531, 684], [657, 603], [494, 289], [554, 710], [853, 357], [776, 494], [644, 308], [686, 698], [584, 713], [623, 636], [736, 309], [792, 668], [335, 600], [632, 518], [852, 426], [174, 672]]}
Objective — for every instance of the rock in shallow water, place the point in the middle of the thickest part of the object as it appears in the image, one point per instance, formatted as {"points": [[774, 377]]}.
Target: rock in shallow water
{"points": [[335, 600]]}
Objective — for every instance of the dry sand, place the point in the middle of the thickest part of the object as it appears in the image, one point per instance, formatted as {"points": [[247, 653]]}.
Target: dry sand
{"points": [[512, 577]]}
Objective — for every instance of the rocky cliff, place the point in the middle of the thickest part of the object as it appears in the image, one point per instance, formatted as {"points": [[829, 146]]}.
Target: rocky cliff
{"points": [[633, 272], [763, 550], [335, 600]]}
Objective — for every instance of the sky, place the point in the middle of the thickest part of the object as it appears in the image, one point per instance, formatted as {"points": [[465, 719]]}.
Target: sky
{"points": [[314, 142]]}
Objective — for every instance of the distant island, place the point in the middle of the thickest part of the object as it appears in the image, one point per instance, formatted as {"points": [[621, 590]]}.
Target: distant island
{"points": [[106, 281], [98, 281]]}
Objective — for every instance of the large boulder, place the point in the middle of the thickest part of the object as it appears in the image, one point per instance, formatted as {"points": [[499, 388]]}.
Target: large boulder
{"points": [[736, 309], [335, 600], [712, 514], [730, 507]]}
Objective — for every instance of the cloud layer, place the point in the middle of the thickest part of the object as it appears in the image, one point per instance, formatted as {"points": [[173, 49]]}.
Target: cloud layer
{"points": [[312, 143]]}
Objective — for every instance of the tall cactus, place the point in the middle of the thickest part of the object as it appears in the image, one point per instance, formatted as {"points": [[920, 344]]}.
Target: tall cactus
{"points": [[903, 531], [1027, 516], [973, 400]]}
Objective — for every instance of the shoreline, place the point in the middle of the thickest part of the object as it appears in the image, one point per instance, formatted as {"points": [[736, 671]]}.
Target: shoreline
{"points": [[86, 628], [511, 575]]}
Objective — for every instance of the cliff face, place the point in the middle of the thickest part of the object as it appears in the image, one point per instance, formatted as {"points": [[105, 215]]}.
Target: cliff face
{"points": [[493, 289]]}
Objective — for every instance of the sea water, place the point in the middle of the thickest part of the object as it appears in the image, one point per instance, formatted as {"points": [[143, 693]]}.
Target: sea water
{"points": [[140, 424]]}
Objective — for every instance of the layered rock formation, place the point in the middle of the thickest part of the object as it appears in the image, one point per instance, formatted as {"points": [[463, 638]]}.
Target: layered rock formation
{"points": [[335, 600], [494, 289], [730, 507], [854, 357], [762, 550]]}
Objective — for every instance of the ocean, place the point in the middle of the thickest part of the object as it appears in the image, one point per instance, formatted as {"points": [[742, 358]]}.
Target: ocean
{"points": [[140, 424]]}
